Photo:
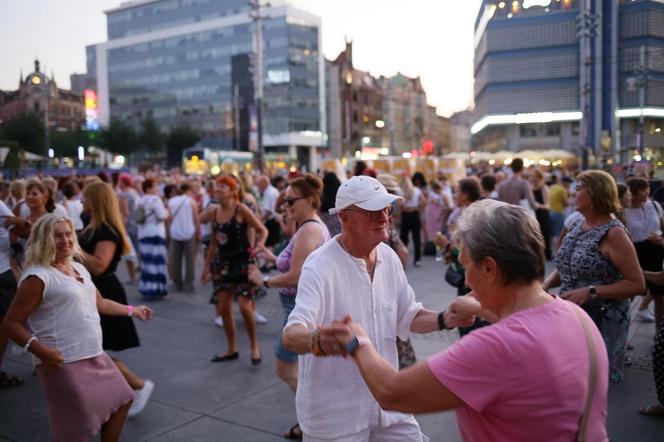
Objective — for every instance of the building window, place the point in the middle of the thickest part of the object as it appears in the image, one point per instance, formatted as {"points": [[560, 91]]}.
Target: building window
{"points": [[528, 130], [553, 130]]}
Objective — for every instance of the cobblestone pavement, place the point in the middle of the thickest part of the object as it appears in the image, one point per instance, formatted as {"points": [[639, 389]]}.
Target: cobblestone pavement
{"points": [[197, 400]]}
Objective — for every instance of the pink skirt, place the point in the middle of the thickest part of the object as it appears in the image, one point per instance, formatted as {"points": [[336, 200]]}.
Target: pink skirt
{"points": [[82, 396]]}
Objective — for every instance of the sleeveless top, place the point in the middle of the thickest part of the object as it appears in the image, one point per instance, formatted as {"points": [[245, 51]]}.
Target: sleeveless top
{"points": [[580, 261], [285, 257], [232, 239]]}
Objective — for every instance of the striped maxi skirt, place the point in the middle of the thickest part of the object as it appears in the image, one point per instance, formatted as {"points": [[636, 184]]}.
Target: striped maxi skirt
{"points": [[154, 267]]}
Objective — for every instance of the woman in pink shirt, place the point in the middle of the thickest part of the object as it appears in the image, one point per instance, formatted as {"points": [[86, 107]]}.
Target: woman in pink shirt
{"points": [[525, 377]]}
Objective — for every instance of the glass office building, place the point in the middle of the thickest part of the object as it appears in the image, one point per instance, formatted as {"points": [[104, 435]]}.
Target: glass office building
{"points": [[570, 74], [171, 60]]}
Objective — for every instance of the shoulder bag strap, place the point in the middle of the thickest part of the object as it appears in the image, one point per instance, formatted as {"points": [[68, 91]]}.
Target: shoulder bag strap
{"points": [[592, 375], [179, 207]]}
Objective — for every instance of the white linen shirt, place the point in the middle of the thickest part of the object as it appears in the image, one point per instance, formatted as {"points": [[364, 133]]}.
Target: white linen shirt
{"points": [[269, 202], [332, 399], [66, 318]]}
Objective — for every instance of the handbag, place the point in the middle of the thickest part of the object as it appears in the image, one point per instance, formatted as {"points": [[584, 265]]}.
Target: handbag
{"points": [[453, 277]]}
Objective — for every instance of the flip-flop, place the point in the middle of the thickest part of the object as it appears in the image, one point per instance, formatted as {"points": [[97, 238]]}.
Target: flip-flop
{"points": [[294, 433], [7, 380], [227, 357], [653, 410]]}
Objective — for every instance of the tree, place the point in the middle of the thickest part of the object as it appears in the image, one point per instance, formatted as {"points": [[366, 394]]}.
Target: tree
{"points": [[119, 137], [177, 140], [151, 137], [65, 144], [28, 131]]}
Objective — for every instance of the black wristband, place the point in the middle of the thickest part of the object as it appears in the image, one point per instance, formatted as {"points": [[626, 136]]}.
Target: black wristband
{"points": [[441, 321], [266, 284]]}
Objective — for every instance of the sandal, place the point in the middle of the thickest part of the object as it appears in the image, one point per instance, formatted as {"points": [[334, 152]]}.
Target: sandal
{"points": [[8, 380], [653, 410], [294, 433]]}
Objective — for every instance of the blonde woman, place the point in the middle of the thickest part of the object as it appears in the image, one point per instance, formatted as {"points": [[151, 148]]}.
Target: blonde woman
{"points": [[104, 241], [55, 316]]}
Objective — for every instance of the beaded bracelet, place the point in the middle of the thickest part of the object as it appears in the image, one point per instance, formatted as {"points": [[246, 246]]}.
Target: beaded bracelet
{"points": [[316, 349]]}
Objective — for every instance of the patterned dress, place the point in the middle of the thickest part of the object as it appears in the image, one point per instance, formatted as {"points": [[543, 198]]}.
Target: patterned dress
{"points": [[230, 265], [580, 264]]}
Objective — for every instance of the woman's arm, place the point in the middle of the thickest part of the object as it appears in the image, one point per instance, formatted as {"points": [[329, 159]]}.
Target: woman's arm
{"points": [[27, 299], [308, 239], [412, 390], [208, 213], [545, 198], [254, 222], [109, 307], [98, 262], [619, 249], [622, 254], [551, 281], [211, 251]]}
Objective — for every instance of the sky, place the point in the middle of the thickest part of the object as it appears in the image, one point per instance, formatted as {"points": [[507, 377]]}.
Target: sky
{"points": [[432, 39]]}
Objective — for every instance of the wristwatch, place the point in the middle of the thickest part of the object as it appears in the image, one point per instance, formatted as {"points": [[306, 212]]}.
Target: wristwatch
{"points": [[351, 346], [593, 292], [266, 282]]}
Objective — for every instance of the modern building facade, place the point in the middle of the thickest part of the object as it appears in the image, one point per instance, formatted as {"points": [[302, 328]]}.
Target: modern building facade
{"points": [[171, 60], [567, 74], [61, 110]]}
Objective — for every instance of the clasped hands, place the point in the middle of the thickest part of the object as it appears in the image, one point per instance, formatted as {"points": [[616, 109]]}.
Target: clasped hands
{"points": [[334, 337]]}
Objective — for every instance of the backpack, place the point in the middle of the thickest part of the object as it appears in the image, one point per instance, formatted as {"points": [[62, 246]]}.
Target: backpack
{"points": [[140, 216]]}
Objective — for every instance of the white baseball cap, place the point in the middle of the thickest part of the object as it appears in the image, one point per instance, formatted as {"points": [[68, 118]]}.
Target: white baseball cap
{"points": [[364, 192]]}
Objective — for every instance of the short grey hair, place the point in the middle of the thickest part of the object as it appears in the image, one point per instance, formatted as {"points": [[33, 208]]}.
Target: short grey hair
{"points": [[506, 233]]}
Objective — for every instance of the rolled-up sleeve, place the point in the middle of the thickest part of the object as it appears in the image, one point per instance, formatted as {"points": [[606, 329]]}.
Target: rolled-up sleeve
{"points": [[407, 307], [309, 308]]}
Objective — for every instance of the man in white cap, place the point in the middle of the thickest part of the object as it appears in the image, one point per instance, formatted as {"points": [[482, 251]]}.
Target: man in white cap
{"points": [[355, 274]]}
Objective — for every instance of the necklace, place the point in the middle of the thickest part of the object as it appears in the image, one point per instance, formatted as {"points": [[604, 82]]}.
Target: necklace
{"points": [[371, 264]]}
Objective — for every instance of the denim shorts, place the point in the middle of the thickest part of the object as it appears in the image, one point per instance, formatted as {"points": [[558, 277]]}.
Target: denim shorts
{"points": [[288, 304]]}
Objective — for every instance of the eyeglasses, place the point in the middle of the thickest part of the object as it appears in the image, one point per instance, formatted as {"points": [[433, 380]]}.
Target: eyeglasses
{"points": [[291, 201], [375, 214]]}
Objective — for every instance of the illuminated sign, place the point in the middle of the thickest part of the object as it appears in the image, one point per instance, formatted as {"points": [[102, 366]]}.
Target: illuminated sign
{"points": [[278, 76], [91, 110]]}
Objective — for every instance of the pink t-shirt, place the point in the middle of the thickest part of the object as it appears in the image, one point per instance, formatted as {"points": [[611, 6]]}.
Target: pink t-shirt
{"points": [[525, 377]]}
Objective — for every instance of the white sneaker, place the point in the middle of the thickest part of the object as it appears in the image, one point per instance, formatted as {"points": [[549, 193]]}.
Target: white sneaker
{"points": [[645, 315], [141, 399], [218, 321], [260, 319]]}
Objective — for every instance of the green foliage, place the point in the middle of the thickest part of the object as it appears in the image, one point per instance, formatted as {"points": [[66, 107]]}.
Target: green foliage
{"points": [[66, 144], [119, 137], [177, 140], [28, 131], [150, 136], [12, 160]]}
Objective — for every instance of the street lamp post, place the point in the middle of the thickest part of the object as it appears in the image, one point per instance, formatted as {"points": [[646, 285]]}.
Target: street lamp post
{"points": [[257, 18], [586, 23], [641, 76]]}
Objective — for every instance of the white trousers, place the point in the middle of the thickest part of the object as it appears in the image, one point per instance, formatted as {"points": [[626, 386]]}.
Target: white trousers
{"points": [[406, 431]]}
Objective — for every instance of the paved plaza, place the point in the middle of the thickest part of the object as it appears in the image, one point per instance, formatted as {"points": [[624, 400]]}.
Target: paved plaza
{"points": [[235, 401]]}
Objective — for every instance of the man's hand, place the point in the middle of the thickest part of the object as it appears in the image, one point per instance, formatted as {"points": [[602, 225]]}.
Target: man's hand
{"points": [[463, 310]]}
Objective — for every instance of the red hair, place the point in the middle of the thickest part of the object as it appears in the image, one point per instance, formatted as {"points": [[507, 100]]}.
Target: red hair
{"points": [[229, 181]]}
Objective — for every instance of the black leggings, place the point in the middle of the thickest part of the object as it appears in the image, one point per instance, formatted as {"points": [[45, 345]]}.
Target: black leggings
{"points": [[658, 363], [410, 222]]}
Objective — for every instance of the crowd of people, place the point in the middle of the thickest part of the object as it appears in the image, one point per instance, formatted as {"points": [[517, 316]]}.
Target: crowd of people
{"points": [[336, 248]]}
